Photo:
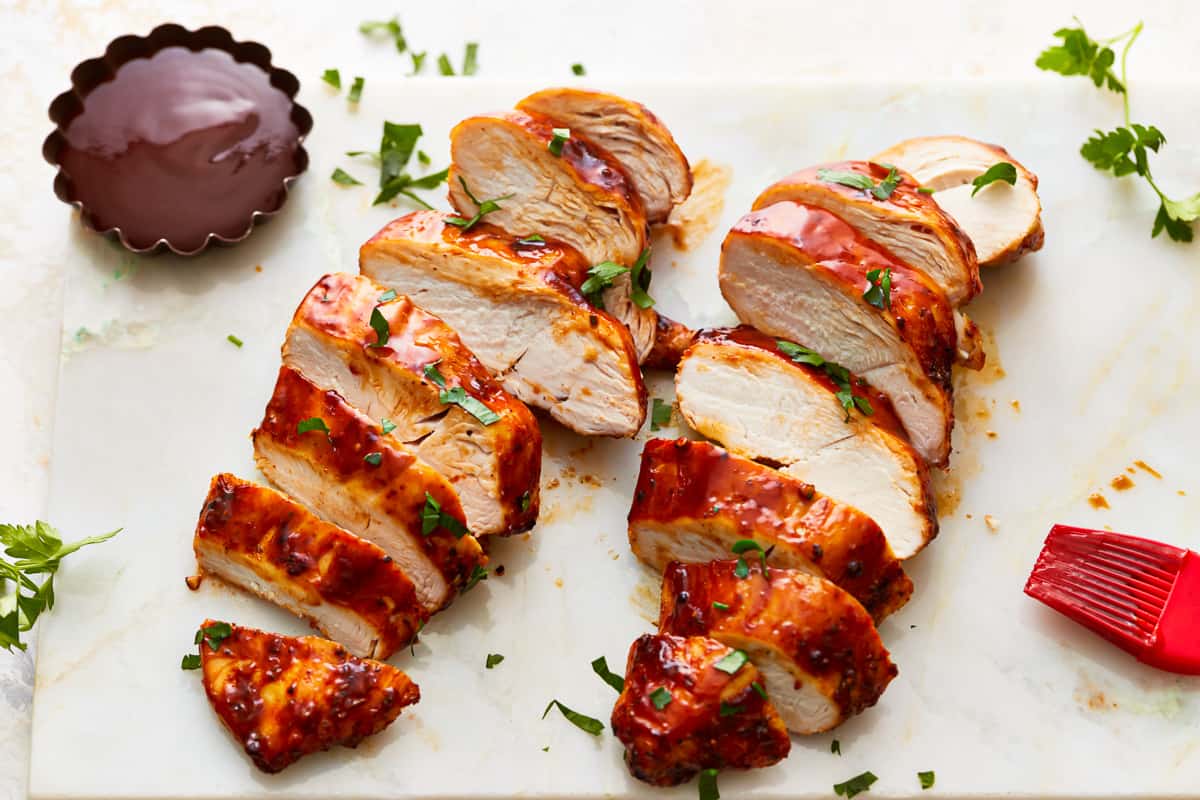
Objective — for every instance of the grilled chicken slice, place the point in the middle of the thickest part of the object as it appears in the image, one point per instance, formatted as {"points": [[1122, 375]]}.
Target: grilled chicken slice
{"points": [[909, 224], [487, 444], [631, 134], [580, 197], [800, 273], [1004, 222], [346, 587], [284, 697], [517, 308], [740, 389], [368, 483], [820, 656], [694, 501], [681, 713]]}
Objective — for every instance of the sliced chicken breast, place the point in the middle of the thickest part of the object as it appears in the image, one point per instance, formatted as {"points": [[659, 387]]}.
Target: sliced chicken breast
{"points": [[573, 192], [908, 223], [435, 394], [631, 134], [1003, 221], [801, 273], [682, 711], [368, 483], [516, 306], [739, 388], [348, 588], [695, 501], [670, 341], [283, 697], [819, 654]]}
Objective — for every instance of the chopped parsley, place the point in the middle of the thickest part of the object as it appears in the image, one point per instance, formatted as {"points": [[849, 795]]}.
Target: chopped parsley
{"points": [[728, 709], [493, 659], [534, 239], [879, 288], [865, 183], [374, 459], [395, 151], [660, 415], [1000, 171], [212, 635], [418, 61], [640, 280], [732, 662], [561, 135], [600, 667], [389, 28], [577, 69], [471, 59], [424, 158], [926, 779], [386, 426], [836, 373], [925, 189], [585, 723], [719, 606], [190, 661], [661, 698], [835, 747], [759, 690], [234, 340], [383, 331], [356, 89], [432, 517], [600, 277], [458, 396], [387, 297], [333, 78], [708, 785], [343, 178], [856, 785], [444, 65], [312, 424], [482, 208], [741, 569], [478, 574], [526, 499]]}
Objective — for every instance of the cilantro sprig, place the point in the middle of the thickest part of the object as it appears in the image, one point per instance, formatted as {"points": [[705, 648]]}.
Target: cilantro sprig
{"points": [[836, 372], [36, 549], [1123, 150]]}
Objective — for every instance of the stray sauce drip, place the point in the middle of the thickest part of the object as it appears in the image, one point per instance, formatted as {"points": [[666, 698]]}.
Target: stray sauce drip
{"points": [[1097, 500], [1121, 483], [179, 145]]}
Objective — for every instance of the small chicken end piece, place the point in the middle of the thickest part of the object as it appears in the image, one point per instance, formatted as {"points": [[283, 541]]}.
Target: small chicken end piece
{"points": [[284, 697], [708, 719], [695, 501], [820, 656]]}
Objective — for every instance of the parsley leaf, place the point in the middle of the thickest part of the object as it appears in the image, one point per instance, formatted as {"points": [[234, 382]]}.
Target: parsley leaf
{"points": [[879, 288], [728, 710], [856, 785], [526, 499], [434, 374], [37, 549], [478, 574], [531, 240], [742, 546], [386, 426], [577, 69], [600, 667], [395, 151], [836, 372], [600, 277], [387, 296], [432, 517], [719, 606], [883, 190], [374, 459], [1080, 55], [560, 137], [481, 208], [854, 180], [312, 424], [661, 698], [585, 723], [418, 61], [640, 279], [471, 59], [356, 89], [190, 661], [708, 785], [926, 779], [340, 176], [390, 28], [473, 406], [1000, 171], [835, 747], [333, 78], [234, 340], [383, 331], [660, 414], [212, 635], [493, 659], [731, 663], [444, 65]]}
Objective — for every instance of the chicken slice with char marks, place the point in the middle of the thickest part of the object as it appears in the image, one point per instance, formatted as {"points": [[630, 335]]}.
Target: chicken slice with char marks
{"points": [[494, 464], [346, 587], [739, 388], [908, 224], [284, 697], [694, 501], [820, 656], [800, 273], [368, 483], [1004, 222], [517, 307], [709, 718], [631, 134], [580, 197]]}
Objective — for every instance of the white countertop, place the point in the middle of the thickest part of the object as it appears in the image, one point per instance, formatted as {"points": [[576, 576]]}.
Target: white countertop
{"points": [[616, 40]]}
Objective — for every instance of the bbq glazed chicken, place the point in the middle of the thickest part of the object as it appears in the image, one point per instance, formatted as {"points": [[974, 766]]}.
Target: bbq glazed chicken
{"points": [[908, 224], [694, 501], [631, 134], [903, 339], [435, 394], [564, 189], [820, 657], [743, 389], [365, 481], [1004, 222], [284, 697], [516, 305], [690, 704], [346, 587]]}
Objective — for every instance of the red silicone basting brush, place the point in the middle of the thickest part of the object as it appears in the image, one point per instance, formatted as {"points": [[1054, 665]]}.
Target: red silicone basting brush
{"points": [[1141, 595]]}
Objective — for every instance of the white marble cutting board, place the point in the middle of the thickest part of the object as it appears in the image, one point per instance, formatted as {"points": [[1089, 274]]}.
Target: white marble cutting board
{"points": [[1094, 364]]}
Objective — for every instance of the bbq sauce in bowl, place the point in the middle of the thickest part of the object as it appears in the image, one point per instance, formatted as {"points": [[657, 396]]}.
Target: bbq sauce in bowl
{"points": [[178, 144]]}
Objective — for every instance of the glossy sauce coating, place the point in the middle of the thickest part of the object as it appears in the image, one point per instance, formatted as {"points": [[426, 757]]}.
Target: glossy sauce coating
{"points": [[819, 627], [399, 479], [262, 530], [667, 746], [684, 482], [284, 697], [814, 238], [757, 342], [181, 144]]}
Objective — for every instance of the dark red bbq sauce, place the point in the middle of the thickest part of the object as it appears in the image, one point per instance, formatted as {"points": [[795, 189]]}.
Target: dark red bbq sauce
{"points": [[182, 144]]}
